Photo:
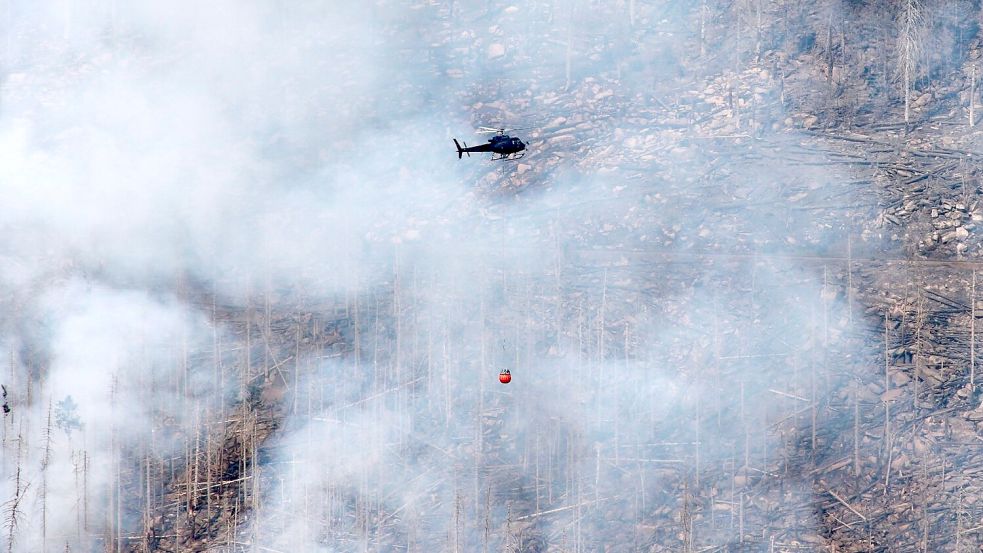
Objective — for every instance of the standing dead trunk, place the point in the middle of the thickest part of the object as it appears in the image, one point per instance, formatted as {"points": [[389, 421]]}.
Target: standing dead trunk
{"points": [[909, 22], [972, 96], [569, 54], [972, 333]]}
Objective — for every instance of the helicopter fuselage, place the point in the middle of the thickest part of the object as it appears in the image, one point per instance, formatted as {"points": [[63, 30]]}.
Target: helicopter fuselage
{"points": [[505, 146]]}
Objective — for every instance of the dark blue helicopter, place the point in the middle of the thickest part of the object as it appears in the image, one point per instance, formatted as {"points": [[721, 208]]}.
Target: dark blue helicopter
{"points": [[507, 147]]}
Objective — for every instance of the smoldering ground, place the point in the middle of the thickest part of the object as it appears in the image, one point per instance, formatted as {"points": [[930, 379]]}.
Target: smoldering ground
{"points": [[146, 147], [598, 411]]}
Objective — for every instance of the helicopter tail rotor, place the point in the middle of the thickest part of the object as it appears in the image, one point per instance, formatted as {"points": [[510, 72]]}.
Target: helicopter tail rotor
{"points": [[461, 150]]}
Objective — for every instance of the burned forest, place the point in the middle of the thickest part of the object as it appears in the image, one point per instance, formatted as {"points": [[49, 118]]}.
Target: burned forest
{"points": [[251, 300]]}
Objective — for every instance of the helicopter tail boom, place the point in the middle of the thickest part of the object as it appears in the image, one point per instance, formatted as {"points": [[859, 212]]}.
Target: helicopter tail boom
{"points": [[461, 150]]}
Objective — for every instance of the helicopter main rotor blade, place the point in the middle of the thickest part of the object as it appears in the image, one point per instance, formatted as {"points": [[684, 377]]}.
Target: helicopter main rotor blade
{"points": [[501, 130]]}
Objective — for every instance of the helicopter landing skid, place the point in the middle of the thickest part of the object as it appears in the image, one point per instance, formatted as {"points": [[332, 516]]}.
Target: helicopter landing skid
{"points": [[509, 157]]}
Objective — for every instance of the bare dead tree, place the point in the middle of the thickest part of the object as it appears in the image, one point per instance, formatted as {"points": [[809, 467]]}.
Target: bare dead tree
{"points": [[13, 514], [972, 96], [909, 21], [45, 460]]}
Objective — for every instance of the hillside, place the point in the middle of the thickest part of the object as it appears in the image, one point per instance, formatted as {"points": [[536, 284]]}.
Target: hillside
{"points": [[254, 302]]}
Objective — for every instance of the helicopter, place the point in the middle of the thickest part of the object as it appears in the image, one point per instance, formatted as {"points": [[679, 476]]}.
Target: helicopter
{"points": [[508, 148]]}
